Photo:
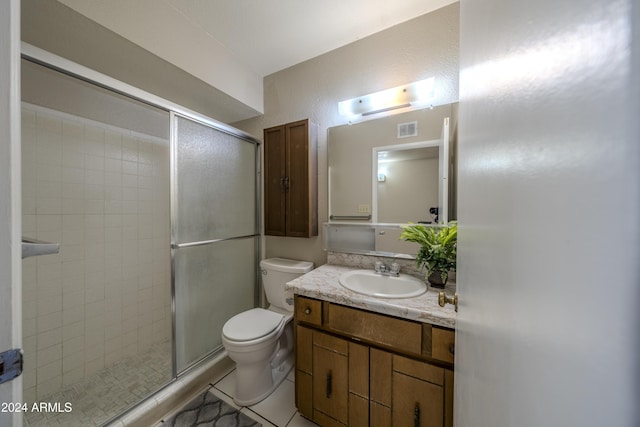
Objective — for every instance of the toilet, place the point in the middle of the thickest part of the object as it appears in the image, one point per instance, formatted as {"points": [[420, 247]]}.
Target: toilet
{"points": [[259, 340]]}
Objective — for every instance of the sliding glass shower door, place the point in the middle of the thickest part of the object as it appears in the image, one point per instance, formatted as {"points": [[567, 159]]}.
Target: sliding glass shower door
{"points": [[155, 210], [214, 233]]}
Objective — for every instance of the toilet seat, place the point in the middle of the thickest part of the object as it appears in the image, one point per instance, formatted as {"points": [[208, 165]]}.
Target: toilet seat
{"points": [[252, 324]]}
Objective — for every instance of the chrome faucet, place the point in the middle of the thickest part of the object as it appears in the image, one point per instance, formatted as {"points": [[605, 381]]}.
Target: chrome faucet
{"points": [[393, 270]]}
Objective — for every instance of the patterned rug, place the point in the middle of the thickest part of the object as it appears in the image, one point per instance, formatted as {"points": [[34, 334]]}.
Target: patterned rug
{"points": [[208, 410]]}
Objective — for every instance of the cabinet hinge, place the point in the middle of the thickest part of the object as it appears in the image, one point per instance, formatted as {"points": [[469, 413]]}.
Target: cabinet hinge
{"points": [[10, 365]]}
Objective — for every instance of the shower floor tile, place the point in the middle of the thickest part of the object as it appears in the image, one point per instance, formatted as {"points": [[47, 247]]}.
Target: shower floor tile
{"points": [[109, 392]]}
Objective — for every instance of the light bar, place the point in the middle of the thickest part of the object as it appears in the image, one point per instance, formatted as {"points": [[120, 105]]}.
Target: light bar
{"points": [[389, 99]]}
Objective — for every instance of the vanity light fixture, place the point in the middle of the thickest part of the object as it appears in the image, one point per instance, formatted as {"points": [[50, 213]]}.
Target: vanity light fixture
{"points": [[416, 93]]}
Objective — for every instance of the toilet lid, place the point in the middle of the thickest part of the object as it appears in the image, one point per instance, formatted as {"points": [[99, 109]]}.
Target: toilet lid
{"points": [[251, 324]]}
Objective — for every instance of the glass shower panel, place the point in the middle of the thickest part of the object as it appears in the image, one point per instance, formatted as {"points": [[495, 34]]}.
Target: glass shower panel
{"points": [[97, 316], [217, 184], [213, 283], [215, 232]]}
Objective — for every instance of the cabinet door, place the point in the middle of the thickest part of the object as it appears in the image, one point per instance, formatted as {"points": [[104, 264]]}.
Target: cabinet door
{"points": [[291, 180], [304, 371], [416, 402], [330, 377], [358, 385], [274, 181], [380, 369], [301, 191]]}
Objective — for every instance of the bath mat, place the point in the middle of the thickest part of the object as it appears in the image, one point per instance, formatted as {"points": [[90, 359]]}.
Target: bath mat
{"points": [[208, 410]]}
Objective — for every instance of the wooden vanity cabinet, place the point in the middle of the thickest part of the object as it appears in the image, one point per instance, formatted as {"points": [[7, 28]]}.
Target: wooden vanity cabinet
{"points": [[406, 391], [378, 373], [291, 180]]}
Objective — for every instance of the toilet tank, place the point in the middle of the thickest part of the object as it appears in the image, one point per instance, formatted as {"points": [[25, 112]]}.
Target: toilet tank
{"points": [[276, 272]]}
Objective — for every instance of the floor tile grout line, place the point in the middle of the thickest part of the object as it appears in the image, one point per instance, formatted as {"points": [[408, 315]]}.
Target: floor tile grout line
{"points": [[226, 394], [291, 418], [261, 416]]}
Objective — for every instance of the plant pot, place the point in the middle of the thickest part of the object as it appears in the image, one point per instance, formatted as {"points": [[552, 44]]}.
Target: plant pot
{"points": [[435, 279]]}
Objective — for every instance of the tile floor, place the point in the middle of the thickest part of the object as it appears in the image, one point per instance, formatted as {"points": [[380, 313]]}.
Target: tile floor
{"points": [[109, 392], [277, 410]]}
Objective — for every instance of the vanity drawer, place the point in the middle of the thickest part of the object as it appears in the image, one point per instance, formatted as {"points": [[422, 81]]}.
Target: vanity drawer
{"points": [[443, 344], [308, 310], [400, 334]]}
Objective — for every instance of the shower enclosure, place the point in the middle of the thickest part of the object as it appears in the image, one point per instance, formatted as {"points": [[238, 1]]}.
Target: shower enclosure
{"points": [[215, 232], [155, 211]]}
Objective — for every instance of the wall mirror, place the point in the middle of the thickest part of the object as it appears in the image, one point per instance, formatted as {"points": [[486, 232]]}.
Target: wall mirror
{"points": [[380, 172]]}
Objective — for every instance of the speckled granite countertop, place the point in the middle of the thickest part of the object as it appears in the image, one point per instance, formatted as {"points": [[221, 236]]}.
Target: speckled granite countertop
{"points": [[322, 283]]}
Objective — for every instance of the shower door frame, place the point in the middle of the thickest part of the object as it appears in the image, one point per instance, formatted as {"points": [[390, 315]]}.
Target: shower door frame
{"points": [[174, 223], [47, 59]]}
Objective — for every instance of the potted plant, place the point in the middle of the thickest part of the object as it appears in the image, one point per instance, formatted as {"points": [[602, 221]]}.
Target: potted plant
{"points": [[438, 250]]}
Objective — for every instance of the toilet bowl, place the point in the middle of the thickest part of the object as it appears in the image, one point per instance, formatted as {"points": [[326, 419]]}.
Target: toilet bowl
{"points": [[260, 341]]}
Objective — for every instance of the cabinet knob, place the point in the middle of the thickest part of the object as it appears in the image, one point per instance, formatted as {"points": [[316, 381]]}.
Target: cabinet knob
{"points": [[307, 310], [452, 349], [444, 299]]}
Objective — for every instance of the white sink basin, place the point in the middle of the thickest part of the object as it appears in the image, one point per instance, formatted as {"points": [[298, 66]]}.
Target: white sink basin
{"points": [[371, 283]]}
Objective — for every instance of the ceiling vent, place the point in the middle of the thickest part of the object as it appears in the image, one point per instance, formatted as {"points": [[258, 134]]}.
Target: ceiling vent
{"points": [[406, 130]]}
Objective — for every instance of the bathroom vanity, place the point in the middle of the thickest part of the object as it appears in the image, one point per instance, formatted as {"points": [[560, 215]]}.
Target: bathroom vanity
{"points": [[362, 360]]}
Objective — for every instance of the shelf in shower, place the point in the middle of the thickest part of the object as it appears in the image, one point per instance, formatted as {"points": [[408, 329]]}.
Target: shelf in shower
{"points": [[32, 247]]}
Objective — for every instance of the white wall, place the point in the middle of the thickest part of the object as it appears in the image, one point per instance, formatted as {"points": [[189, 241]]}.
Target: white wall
{"points": [[423, 47], [549, 201]]}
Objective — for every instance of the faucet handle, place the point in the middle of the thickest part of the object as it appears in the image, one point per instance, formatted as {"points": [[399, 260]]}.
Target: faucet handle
{"points": [[378, 266], [395, 268]]}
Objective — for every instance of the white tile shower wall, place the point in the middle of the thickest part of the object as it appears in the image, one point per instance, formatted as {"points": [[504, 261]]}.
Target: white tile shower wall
{"points": [[103, 193]]}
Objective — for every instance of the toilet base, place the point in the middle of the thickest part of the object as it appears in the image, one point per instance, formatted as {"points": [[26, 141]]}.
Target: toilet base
{"points": [[264, 378]]}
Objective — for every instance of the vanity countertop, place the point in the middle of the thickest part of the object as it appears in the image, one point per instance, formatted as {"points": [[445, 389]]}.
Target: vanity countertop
{"points": [[323, 283]]}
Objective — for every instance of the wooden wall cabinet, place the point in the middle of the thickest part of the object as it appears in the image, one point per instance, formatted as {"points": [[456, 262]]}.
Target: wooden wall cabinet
{"points": [[291, 180], [346, 376]]}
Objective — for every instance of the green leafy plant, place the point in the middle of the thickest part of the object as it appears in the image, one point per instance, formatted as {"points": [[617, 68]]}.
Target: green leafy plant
{"points": [[438, 247]]}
